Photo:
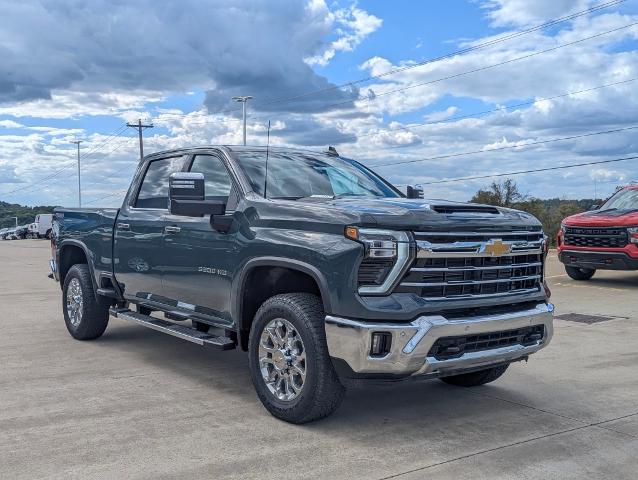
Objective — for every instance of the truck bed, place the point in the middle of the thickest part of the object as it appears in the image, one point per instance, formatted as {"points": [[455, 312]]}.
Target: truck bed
{"points": [[92, 230]]}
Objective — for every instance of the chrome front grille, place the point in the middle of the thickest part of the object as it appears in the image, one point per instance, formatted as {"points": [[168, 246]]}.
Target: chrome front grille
{"points": [[454, 265]]}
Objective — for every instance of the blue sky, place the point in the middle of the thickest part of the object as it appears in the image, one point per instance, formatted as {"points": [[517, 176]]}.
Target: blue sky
{"points": [[83, 72]]}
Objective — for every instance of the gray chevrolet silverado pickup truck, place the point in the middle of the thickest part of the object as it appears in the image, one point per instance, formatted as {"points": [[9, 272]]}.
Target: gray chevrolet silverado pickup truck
{"points": [[317, 267]]}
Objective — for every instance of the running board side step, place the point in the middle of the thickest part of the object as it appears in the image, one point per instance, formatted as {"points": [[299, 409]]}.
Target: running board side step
{"points": [[179, 331]]}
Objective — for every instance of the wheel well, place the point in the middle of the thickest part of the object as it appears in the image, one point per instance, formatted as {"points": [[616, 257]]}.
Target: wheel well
{"points": [[264, 282], [70, 255]]}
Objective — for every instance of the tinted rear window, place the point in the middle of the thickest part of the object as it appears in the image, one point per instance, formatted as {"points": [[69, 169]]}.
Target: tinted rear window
{"points": [[154, 190]]}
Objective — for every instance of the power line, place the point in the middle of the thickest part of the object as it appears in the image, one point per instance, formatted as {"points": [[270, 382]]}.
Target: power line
{"points": [[449, 55], [117, 147], [119, 192], [499, 64], [523, 172], [420, 64], [70, 164], [484, 112], [77, 142], [467, 72], [496, 149]]}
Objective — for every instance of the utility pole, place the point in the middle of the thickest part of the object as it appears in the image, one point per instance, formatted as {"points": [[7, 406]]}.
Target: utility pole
{"points": [[77, 142], [139, 126], [243, 100]]}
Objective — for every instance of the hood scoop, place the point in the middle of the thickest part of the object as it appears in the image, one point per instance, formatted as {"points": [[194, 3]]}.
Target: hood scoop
{"points": [[465, 209]]}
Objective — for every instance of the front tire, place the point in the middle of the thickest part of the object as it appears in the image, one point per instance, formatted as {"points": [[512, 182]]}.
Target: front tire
{"points": [[474, 379], [289, 362], [86, 316], [578, 273]]}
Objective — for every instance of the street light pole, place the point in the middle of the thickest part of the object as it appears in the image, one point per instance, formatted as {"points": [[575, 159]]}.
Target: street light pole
{"points": [[77, 142], [243, 100]]}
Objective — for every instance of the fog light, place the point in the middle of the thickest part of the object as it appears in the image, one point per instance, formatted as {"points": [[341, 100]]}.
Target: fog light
{"points": [[381, 343]]}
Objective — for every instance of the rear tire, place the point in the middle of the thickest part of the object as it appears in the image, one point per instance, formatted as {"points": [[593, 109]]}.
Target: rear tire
{"points": [[578, 273], [474, 379], [86, 315], [287, 346]]}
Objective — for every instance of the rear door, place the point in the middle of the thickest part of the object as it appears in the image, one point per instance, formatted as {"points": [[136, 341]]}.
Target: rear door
{"points": [[139, 229], [199, 260]]}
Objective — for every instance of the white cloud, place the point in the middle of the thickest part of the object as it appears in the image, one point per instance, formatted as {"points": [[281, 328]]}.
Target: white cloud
{"points": [[353, 26], [527, 12], [271, 63], [442, 115], [10, 124]]}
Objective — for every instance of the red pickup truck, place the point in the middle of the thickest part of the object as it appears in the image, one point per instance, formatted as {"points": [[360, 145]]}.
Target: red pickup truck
{"points": [[605, 237]]}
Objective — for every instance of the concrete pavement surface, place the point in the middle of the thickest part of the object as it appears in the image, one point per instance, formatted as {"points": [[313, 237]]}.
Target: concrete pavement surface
{"points": [[142, 405]]}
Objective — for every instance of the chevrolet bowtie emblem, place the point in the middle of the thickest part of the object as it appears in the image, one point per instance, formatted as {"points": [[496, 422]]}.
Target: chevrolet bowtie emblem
{"points": [[496, 248]]}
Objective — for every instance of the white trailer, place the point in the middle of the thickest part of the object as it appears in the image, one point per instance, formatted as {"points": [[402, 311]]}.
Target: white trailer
{"points": [[44, 223]]}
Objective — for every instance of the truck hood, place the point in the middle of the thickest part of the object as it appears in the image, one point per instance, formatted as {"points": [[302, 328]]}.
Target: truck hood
{"points": [[602, 218], [404, 214]]}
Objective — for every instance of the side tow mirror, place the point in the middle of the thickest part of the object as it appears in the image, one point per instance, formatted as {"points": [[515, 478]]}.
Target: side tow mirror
{"points": [[187, 197], [415, 191]]}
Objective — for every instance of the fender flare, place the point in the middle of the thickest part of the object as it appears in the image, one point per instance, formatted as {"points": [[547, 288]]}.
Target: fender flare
{"points": [[87, 254], [271, 261]]}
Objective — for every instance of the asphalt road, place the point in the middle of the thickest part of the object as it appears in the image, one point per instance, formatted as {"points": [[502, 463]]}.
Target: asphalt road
{"points": [[140, 404]]}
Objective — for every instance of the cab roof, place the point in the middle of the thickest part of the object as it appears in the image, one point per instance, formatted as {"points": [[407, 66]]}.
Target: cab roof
{"points": [[240, 148]]}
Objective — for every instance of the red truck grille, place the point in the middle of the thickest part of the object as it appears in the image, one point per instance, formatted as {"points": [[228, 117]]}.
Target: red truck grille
{"points": [[595, 237]]}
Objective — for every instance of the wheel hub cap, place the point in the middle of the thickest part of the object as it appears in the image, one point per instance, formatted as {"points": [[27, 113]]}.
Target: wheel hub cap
{"points": [[74, 302], [282, 359]]}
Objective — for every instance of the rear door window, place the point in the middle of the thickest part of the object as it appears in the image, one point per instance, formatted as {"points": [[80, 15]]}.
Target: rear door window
{"points": [[154, 190]]}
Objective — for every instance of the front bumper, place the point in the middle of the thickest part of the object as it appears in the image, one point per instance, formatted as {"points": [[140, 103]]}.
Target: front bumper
{"points": [[350, 341], [600, 260]]}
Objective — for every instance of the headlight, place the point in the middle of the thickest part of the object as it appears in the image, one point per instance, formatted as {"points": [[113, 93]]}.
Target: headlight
{"points": [[633, 234], [386, 253]]}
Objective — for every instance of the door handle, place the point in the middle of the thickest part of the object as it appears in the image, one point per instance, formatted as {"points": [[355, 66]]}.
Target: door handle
{"points": [[172, 230], [123, 226]]}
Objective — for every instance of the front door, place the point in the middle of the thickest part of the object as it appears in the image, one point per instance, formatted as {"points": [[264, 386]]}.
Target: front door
{"points": [[199, 260], [139, 232]]}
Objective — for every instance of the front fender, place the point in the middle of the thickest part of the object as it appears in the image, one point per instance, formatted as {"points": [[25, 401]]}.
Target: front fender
{"points": [[274, 261]]}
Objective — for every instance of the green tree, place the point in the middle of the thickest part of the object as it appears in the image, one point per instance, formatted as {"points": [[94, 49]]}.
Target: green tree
{"points": [[502, 194], [25, 215], [550, 212]]}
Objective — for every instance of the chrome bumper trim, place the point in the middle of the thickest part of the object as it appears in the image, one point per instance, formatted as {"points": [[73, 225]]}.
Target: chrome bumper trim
{"points": [[350, 340]]}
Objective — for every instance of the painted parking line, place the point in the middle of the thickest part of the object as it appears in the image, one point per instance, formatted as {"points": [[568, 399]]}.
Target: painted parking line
{"points": [[591, 287]]}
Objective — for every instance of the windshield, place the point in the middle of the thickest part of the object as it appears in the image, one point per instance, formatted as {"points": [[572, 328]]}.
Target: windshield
{"points": [[623, 200], [294, 175]]}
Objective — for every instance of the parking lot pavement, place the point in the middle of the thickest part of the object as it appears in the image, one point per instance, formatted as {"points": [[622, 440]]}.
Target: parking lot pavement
{"points": [[139, 404]]}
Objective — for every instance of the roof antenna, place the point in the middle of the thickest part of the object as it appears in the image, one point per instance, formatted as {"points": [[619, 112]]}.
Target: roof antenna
{"points": [[266, 174]]}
